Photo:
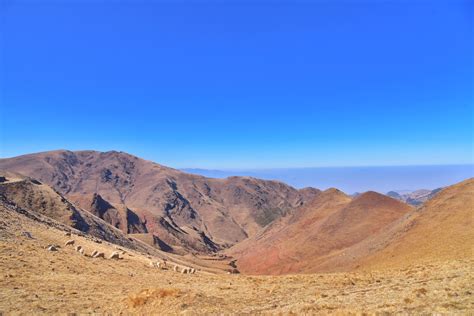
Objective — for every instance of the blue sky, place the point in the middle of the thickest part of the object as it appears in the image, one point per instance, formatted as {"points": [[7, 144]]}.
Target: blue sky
{"points": [[240, 84]]}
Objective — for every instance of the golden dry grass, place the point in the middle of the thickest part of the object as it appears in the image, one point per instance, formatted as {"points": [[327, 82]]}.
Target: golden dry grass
{"points": [[36, 281], [151, 296]]}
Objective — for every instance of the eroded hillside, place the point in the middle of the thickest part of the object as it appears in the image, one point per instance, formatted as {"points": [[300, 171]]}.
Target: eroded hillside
{"points": [[324, 228], [37, 281], [187, 212], [334, 233]]}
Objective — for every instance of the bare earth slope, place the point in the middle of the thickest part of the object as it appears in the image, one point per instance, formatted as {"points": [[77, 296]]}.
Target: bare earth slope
{"points": [[37, 198], [441, 229], [186, 211], [327, 226], [371, 231], [36, 281], [118, 215]]}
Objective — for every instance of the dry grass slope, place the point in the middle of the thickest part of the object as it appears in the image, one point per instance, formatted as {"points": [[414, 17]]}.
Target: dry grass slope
{"points": [[441, 229], [37, 281], [322, 230], [34, 280]]}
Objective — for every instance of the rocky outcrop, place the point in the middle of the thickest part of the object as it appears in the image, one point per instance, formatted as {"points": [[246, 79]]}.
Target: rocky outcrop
{"points": [[414, 198], [43, 204], [118, 216]]}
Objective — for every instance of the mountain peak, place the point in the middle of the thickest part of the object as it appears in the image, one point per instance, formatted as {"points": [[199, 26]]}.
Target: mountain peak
{"points": [[372, 198], [193, 213], [333, 191]]}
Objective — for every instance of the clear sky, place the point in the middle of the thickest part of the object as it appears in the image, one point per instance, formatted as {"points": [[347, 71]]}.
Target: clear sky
{"points": [[240, 84]]}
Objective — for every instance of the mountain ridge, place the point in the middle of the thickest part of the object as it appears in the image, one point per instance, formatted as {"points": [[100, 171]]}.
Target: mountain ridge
{"points": [[332, 222], [186, 211], [267, 226], [346, 239]]}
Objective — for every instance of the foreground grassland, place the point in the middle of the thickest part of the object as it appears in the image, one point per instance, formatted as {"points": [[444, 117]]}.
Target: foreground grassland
{"points": [[34, 280]]}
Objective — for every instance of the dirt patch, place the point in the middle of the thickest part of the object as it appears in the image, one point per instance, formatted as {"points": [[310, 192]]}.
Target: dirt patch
{"points": [[151, 296]]}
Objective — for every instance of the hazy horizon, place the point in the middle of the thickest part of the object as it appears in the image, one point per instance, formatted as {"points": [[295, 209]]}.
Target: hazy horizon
{"points": [[350, 179], [357, 179]]}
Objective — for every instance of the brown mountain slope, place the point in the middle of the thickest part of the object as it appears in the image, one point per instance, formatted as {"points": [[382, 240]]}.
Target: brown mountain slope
{"points": [[118, 215], [328, 225], [38, 199], [23, 196], [442, 229], [35, 281], [188, 212], [395, 237]]}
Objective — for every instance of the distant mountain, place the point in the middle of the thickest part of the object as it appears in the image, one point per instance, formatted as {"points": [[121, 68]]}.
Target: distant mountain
{"points": [[185, 211], [415, 198]]}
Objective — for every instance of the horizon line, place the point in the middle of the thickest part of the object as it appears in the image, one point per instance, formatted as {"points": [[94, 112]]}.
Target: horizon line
{"points": [[234, 169], [325, 167]]}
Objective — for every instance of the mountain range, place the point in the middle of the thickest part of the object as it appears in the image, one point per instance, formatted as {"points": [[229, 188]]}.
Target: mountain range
{"points": [[352, 179], [261, 226], [187, 212], [338, 233]]}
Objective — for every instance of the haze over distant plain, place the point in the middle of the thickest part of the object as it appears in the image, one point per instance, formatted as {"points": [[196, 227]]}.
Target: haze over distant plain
{"points": [[357, 179]]}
